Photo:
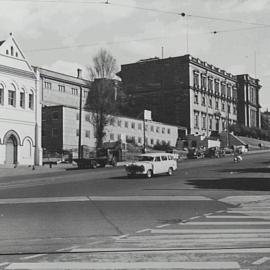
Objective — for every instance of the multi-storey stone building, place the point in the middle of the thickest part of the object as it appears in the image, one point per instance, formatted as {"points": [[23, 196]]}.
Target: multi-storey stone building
{"points": [[183, 91], [249, 113], [20, 118]]}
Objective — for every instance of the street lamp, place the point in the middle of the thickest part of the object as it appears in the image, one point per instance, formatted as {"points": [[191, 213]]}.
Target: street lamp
{"points": [[79, 76]]}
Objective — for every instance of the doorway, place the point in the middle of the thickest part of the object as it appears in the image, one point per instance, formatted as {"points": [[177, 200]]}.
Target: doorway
{"points": [[11, 150]]}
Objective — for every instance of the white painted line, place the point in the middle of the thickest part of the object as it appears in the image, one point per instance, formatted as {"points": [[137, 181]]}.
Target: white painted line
{"points": [[149, 198], [244, 199], [144, 230], [209, 231], [263, 213], [207, 214], [220, 211], [244, 209], [121, 236], [227, 223], [44, 200], [131, 265], [162, 226], [237, 217], [32, 256], [4, 263], [193, 218], [65, 249], [261, 261], [179, 251]]}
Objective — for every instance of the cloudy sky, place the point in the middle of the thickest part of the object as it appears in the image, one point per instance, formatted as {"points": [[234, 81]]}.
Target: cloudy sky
{"points": [[65, 34]]}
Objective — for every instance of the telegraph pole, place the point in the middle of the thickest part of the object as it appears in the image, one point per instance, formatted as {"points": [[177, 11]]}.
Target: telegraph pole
{"points": [[79, 76]]}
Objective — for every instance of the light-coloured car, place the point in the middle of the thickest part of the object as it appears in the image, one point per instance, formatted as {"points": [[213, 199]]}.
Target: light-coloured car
{"points": [[151, 164]]}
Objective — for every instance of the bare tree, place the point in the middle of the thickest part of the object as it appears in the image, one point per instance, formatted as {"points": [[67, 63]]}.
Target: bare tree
{"points": [[101, 100], [104, 66]]}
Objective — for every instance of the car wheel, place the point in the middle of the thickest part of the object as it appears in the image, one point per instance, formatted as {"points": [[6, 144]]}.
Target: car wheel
{"points": [[170, 171], [149, 174]]}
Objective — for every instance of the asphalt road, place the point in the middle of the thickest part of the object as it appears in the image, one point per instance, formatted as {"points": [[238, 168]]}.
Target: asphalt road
{"points": [[103, 209]]}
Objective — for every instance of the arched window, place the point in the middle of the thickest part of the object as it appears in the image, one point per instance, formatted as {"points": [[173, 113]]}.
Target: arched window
{"points": [[11, 51], [1, 94], [12, 96], [31, 100], [22, 98]]}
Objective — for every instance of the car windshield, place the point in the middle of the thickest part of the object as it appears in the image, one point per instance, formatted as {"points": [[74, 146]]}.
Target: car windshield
{"points": [[145, 158]]}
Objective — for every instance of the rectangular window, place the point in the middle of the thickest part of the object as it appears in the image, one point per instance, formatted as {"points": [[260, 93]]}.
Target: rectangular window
{"points": [[119, 123], [210, 103], [77, 116], [210, 123], [48, 85], [31, 101], [77, 132], [126, 124], [223, 107], [139, 140], [157, 129], [87, 117], [85, 93], [203, 121], [163, 130], [11, 98], [22, 99], [74, 91], [152, 141], [196, 80], [133, 125], [223, 89], [203, 101], [229, 109], [216, 86], [152, 128], [229, 90], [168, 131], [210, 84], [196, 99], [87, 133], [203, 82], [1, 95], [217, 107], [234, 109], [196, 120], [61, 88], [140, 126]]}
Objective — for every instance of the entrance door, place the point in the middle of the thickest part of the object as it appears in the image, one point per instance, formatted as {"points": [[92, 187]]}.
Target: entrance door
{"points": [[11, 150]]}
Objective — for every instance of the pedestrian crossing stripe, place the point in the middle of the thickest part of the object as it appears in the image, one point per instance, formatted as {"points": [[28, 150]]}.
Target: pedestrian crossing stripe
{"points": [[130, 265]]}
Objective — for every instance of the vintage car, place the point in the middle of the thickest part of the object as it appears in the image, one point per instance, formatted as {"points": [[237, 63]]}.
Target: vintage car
{"points": [[151, 164]]}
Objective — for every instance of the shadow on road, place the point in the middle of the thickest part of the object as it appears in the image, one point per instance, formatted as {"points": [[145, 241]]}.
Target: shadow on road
{"points": [[252, 184]]}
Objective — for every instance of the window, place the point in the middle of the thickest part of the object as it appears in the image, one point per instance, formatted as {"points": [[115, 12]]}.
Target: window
{"points": [[223, 90], [196, 120], [163, 130], [61, 88], [55, 115], [223, 107], [203, 82], [77, 132], [210, 123], [152, 128], [16, 54], [210, 84], [234, 109], [196, 99], [126, 124], [112, 137], [157, 129], [157, 159], [216, 86], [133, 125], [210, 103], [229, 90], [7, 52], [87, 134], [77, 116], [22, 99], [87, 117], [217, 107], [139, 126], [11, 98], [203, 100], [223, 125], [54, 132], [119, 123], [74, 91], [31, 101], [152, 141], [119, 137], [1, 94], [169, 131], [11, 51], [164, 158], [196, 80], [85, 93], [48, 85], [203, 121], [139, 140], [229, 109]]}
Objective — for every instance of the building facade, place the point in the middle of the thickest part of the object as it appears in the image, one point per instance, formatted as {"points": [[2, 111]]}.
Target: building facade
{"points": [[61, 130], [184, 91], [249, 109], [20, 118]]}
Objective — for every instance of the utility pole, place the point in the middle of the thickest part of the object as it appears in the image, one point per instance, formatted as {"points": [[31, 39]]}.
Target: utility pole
{"points": [[79, 76]]}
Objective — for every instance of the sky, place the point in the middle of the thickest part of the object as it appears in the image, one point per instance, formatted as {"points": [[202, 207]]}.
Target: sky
{"points": [[64, 35]]}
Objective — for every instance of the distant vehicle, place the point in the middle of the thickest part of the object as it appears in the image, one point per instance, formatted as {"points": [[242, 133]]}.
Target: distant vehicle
{"points": [[214, 152], [194, 153], [151, 164]]}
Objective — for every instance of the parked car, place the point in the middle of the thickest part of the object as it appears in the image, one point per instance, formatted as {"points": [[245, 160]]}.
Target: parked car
{"points": [[151, 164]]}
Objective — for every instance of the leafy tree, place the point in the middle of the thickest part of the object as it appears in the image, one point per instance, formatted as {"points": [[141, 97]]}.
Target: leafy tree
{"points": [[102, 97]]}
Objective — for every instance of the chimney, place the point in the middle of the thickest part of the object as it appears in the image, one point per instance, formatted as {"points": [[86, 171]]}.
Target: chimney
{"points": [[79, 73]]}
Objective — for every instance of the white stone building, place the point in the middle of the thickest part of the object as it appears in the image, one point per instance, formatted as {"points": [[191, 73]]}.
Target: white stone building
{"points": [[20, 110]]}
